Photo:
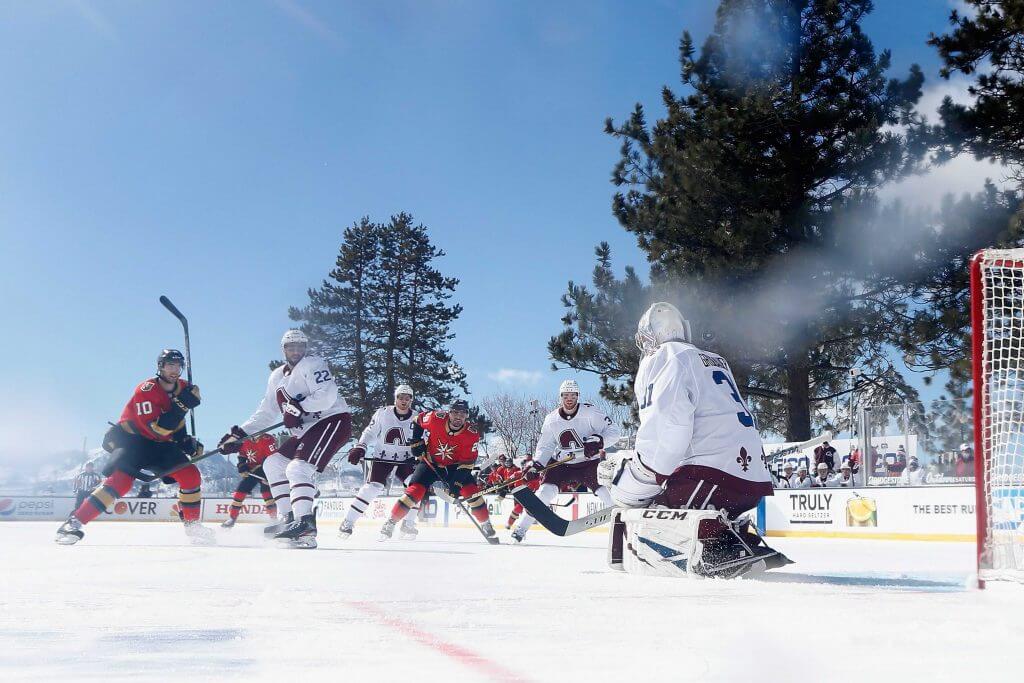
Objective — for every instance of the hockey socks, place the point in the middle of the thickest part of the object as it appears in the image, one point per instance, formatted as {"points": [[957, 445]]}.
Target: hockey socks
{"points": [[103, 496]]}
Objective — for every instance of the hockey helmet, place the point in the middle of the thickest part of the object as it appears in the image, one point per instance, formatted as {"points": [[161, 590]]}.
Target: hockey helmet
{"points": [[569, 386], [661, 322], [459, 405], [294, 337], [403, 389], [170, 356]]}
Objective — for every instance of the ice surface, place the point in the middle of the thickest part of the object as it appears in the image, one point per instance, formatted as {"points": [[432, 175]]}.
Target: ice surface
{"points": [[135, 601]]}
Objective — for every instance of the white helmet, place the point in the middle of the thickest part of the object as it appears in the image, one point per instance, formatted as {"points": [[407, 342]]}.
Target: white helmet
{"points": [[294, 337], [403, 389], [569, 386], [661, 322]]}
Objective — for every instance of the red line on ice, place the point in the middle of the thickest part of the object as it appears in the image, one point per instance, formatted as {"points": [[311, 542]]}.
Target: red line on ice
{"points": [[467, 657]]}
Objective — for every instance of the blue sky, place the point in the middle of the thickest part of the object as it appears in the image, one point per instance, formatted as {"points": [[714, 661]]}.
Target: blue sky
{"points": [[214, 152]]}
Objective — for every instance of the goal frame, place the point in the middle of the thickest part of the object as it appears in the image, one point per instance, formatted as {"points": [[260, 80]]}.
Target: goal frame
{"points": [[981, 410]]}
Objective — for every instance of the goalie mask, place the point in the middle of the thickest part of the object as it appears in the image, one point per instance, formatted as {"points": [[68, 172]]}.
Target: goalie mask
{"points": [[661, 322]]}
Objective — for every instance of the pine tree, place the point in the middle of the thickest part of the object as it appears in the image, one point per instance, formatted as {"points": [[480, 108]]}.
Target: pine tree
{"points": [[742, 197], [340, 316], [382, 319], [989, 45]]}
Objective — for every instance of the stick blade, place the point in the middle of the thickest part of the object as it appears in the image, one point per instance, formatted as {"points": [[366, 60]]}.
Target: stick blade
{"points": [[174, 310]]}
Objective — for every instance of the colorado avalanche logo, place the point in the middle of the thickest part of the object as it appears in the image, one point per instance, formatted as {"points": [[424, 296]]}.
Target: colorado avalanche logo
{"points": [[570, 440], [395, 437]]}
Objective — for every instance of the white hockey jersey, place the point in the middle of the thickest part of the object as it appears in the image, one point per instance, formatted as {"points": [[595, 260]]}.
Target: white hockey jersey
{"points": [[310, 382], [819, 483], [562, 433], [388, 435], [691, 413], [798, 483], [838, 482]]}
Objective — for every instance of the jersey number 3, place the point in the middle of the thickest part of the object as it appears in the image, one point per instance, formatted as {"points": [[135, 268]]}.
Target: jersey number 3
{"points": [[744, 416]]}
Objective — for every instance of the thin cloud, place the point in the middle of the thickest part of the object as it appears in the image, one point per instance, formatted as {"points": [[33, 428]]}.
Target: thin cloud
{"points": [[95, 18], [307, 20], [962, 175], [513, 376]]}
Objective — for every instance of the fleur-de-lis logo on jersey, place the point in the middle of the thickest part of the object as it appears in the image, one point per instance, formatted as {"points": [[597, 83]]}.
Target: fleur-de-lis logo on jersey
{"points": [[744, 459], [445, 450]]}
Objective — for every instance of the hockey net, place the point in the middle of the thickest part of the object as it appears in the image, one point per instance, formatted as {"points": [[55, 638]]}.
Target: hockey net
{"points": [[997, 321]]}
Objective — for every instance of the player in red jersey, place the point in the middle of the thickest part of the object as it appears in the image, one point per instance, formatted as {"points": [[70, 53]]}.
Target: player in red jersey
{"points": [[253, 452], [517, 475], [150, 434], [446, 444]]}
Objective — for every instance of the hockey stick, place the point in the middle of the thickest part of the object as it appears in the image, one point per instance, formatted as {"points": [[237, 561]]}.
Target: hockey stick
{"points": [[508, 483], [146, 478], [493, 540], [816, 441], [559, 526], [188, 351]]}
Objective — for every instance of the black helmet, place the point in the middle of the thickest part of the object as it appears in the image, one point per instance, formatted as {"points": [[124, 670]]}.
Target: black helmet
{"points": [[170, 356], [461, 404]]}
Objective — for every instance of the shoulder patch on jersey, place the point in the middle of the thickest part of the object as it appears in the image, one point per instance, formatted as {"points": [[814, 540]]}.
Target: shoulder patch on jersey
{"points": [[147, 386], [441, 414]]}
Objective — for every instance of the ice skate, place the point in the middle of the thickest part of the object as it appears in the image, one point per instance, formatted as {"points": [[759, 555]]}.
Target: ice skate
{"points": [[488, 529], [300, 534], [387, 530], [346, 529], [228, 523], [518, 535], [408, 530], [70, 532], [279, 526], [199, 534]]}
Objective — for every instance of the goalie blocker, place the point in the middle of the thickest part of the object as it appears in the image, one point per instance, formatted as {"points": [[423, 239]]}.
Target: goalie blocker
{"points": [[691, 543]]}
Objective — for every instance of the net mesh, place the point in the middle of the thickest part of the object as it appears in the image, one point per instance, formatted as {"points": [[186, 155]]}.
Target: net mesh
{"points": [[1001, 338]]}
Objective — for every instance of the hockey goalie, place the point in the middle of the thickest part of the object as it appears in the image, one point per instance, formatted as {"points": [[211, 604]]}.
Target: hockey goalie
{"points": [[698, 465]]}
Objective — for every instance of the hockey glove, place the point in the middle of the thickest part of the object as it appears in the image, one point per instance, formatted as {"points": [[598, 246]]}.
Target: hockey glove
{"points": [[592, 446], [532, 471], [232, 441], [243, 465], [292, 412], [187, 398], [191, 446], [357, 453]]}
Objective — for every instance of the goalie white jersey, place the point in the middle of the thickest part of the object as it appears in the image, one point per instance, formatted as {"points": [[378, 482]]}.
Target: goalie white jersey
{"points": [[563, 433], [310, 382], [388, 435], [691, 413]]}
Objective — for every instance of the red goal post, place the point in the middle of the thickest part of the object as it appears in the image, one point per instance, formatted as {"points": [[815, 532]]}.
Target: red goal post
{"points": [[997, 347]]}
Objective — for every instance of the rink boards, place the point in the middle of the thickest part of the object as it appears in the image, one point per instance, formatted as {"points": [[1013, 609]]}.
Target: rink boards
{"points": [[920, 513], [435, 512]]}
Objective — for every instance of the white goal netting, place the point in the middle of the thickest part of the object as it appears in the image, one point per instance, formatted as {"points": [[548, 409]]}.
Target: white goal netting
{"points": [[998, 341]]}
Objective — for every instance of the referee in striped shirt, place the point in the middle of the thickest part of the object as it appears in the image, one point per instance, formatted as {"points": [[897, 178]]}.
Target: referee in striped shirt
{"points": [[85, 482]]}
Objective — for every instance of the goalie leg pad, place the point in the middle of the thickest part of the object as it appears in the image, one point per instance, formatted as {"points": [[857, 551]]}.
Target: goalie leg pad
{"points": [[658, 541], [691, 543]]}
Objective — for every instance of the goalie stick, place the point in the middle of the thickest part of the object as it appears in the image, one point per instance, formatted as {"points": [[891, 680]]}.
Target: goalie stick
{"points": [[557, 525], [188, 351]]}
